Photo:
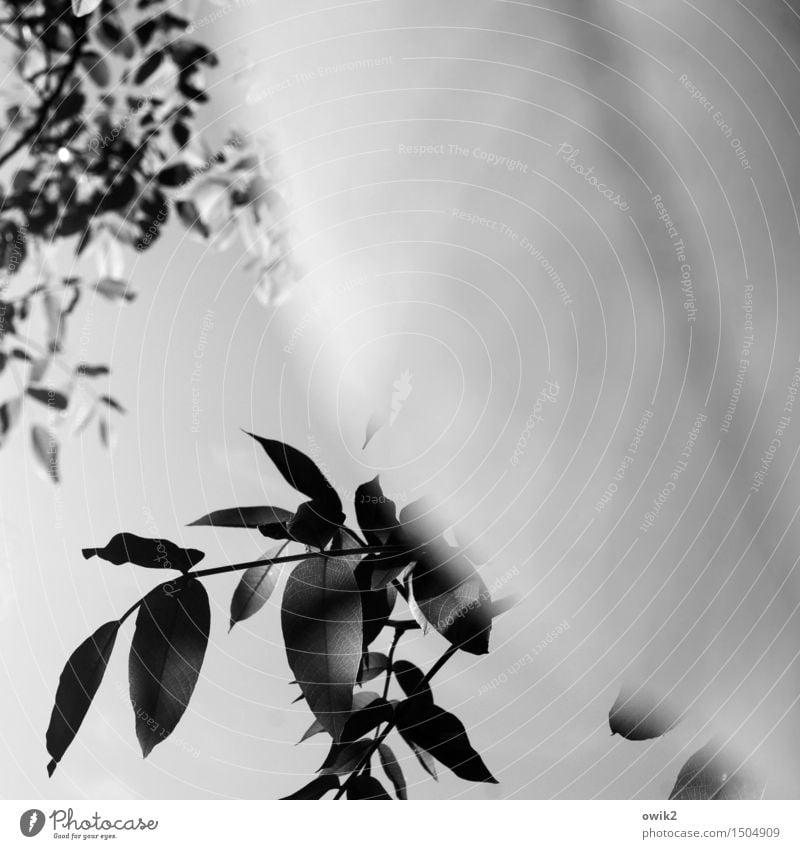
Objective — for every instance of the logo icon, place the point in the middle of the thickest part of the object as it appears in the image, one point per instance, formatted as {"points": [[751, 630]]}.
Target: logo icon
{"points": [[31, 822]]}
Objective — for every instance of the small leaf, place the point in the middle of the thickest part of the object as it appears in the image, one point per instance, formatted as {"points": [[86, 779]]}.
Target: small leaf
{"points": [[376, 514], [112, 403], [412, 681], [114, 289], [344, 758], [77, 686], [45, 449], [52, 399], [375, 423], [174, 175], [393, 771], [243, 517], [361, 722], [443, 736], [425, 760], [321, 622], [366, 787], [150, 65], [315, 523], [167, 652], [9, 415], [254, 588], [316, 789], [96, 67], [91, 371], [150, 553], [637, 716], [373, 664]]}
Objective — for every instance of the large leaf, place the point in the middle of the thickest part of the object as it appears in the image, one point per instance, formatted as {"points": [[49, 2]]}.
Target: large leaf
{"points": [[254, 588], [76, 688], [635, 715], [316, 789], [443, 736], [243, 517], [322, 630], [392, 769], [366, 787], [453, 598], [376, 514], [712, 773], [167, 652], [150, 553], [299, 471]]}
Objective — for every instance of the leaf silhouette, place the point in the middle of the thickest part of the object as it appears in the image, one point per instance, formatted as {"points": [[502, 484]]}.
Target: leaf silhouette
{"points": [[362, 721], [412, 681], [712, 773], [166, 655], [442, 736], [376, 514], [316, 789], [150, 553], [373, 664], [299, 471], [637, 716], [315, 522], [254, 588], [366, 787], [45, 449], [392, 769], [77, 686], [49, 397], [453, 598], [322, 630], [243, 517], [9, 415], [360, 700], [343, 758]]}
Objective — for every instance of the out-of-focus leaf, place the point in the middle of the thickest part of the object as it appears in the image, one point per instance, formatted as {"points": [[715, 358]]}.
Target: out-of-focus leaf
{"points": [[50, 397], [167, 652], [412, 681], [442, 736], [635, 715], [343, 758], [9, 416], [361, 722], [86, 370], [150, 65], [316, 789], [96, 67], [453, 598], [321, 622], [45, 449], [376, 514], [254, 588], [114, 289], [77, 686], [112, 403], [712, 773], [366, 787], [243, 517], [174, 175], [150, 553], [80, 8], [393, 771], [68, 107], [373, 664]]}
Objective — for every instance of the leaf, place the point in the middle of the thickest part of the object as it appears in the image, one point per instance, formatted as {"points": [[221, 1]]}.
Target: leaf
{"points": [[321, 622], [68, 106], [393, 771], [712, 773], [360, 700], [425, 760], [299, 471], [376, 514], [243, 517], [366, 787], [52, 399], [316, 789], [114, 289], [77, 686], [81, 8], [112, 403], [442, 736], [637, 716], [45, 449], [167, 652], [150, 553], [9, 415], [254, 588], [453, 598], [412, 681], [87, 370], [150, 65], [361, 722], [315, 523], [96, 67], [373, 664], [344, 758], [376, 604], [174, 175]]}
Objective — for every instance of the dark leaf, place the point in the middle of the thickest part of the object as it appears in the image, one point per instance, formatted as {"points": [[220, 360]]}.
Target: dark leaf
{"points": [[392, 769], [315, 522], [376, 514], [373, 664], [174, 175], [91, 371], [111, 402], [150, 553], [299, 471], [343, 758], [254, 589], [76, 688], [181, 133], [114, 290], [243, 517], [49, 397], [45, 449], [321, 622], [412, 681], [443, 736], [316, 789], [150, 65], [637, 716], [376, 604], [361, 722], [9, 415], [366, 787], [167, 652], [69, 106], [360, 700]]}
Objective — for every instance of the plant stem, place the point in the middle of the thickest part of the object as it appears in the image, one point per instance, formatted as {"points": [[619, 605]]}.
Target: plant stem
{"points": [[451, 650]]}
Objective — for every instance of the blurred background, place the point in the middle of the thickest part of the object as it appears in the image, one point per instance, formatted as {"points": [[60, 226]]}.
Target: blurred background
{"points": [[560, 242]]}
